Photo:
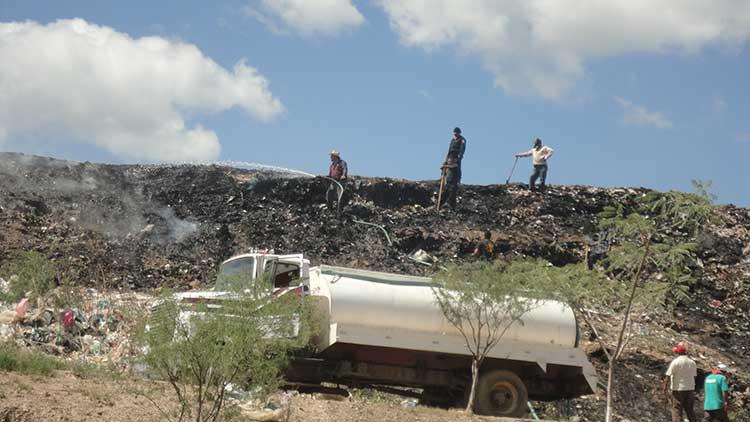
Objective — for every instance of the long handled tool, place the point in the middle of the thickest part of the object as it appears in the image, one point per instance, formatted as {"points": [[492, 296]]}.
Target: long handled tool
{"points": [[511, 171], [442, 186]]}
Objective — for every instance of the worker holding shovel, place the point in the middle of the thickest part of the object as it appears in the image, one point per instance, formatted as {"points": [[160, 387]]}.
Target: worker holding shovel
{"points": [[539, 154], [451, 169]]}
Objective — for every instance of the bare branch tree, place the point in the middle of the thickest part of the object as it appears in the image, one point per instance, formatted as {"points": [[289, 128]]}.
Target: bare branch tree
{"points": [[483, 301]]}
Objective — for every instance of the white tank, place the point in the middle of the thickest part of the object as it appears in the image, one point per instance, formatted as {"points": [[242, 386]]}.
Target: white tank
{"points": [[391, 301]]}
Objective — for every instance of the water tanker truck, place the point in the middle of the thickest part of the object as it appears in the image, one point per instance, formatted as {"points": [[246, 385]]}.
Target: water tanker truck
{"points": [[388, 329]]}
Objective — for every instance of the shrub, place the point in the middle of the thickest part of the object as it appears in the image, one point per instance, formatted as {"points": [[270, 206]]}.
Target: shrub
{"points": [[245, 339], [15, 359], [30, 273]]}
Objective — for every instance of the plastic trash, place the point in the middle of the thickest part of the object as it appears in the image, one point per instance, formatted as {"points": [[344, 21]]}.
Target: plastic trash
{"points": [[422, 257], [21, 309], [409, 403], [69, 319], [96, 347]]}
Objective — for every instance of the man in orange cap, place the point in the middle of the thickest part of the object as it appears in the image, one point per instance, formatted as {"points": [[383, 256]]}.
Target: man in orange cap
{"points": [[716, 389], [680, 379]]}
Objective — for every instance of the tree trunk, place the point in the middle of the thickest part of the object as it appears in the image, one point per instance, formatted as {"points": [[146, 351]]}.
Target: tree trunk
{"points": [[474, 380], [610, 393], [620, 346]]}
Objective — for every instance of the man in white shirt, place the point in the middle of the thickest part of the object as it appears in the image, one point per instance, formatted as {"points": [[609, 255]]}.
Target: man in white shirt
{"points": [[680, 379], [539, 154]]}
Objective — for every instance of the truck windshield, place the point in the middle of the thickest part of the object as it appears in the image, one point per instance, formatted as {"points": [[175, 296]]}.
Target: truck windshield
{"points": [[235, 274]]}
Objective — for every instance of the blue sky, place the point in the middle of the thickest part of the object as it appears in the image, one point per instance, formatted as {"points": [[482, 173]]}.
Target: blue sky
{"points": [[627, 94]]}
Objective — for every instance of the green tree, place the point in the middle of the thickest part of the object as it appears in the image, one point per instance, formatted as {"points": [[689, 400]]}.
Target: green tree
{"points": [[245, 338], [482, 300], [589, 290], [649, 268]]}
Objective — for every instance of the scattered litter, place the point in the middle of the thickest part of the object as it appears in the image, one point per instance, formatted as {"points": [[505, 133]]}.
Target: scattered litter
{"points": [[21, 309], [95, 332], [265, 415], [409, 403], [422, 257]]}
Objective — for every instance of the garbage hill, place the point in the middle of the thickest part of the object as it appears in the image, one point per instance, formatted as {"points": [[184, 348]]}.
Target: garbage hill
{"points": [[139, 227]]}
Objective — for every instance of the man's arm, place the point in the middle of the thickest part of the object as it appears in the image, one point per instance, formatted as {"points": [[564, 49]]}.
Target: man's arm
{"points": [[525, 154], [667, 379], [548, 152], [665, 385], [344, 169]]}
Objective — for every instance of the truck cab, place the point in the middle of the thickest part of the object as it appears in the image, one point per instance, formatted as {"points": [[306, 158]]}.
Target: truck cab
{"points": [[284, 271]]}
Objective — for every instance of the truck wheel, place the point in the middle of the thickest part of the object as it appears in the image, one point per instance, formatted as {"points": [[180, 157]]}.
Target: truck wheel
{"points": [[501, 393]]}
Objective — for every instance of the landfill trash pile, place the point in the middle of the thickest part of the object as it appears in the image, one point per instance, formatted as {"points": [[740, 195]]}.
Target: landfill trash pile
{"points": [[131, 228], [97, 331]]}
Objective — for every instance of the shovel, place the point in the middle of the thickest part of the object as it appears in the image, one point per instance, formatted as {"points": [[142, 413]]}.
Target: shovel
{"points": [[442, 186], [511, 171]]}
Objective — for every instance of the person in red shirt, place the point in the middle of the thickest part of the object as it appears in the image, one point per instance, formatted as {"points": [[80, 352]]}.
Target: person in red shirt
{"points": [[339, 171]]}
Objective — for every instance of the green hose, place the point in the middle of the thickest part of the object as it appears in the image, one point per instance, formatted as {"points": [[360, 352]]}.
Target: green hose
{"points": [[338, 210], [388, 238]]}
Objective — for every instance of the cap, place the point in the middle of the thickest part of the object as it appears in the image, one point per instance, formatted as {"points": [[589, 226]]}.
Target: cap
{"points": [[334, 152], [680, 348], [719, 368], [456, 130]]}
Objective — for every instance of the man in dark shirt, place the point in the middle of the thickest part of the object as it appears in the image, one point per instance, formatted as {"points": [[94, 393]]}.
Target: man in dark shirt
{"points": [[338, 170], [452, 166]]}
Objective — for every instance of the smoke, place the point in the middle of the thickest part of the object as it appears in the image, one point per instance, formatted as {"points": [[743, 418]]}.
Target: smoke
{"points": [[176, 229], [104, 198]]}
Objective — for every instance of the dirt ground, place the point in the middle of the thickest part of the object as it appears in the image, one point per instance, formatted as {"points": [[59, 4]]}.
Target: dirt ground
{"points": [[66, 397]]}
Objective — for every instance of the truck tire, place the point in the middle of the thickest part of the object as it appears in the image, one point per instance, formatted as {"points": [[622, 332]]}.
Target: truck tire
{"points": [[501, 393]]}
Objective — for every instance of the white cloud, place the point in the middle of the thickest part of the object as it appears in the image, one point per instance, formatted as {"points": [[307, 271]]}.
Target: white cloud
{"points": [[73, 79], [307, 17], [539, 47], [641, 116]]}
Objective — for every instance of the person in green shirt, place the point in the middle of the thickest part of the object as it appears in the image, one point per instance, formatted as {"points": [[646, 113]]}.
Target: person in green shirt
{"points": [[716, 388]]}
